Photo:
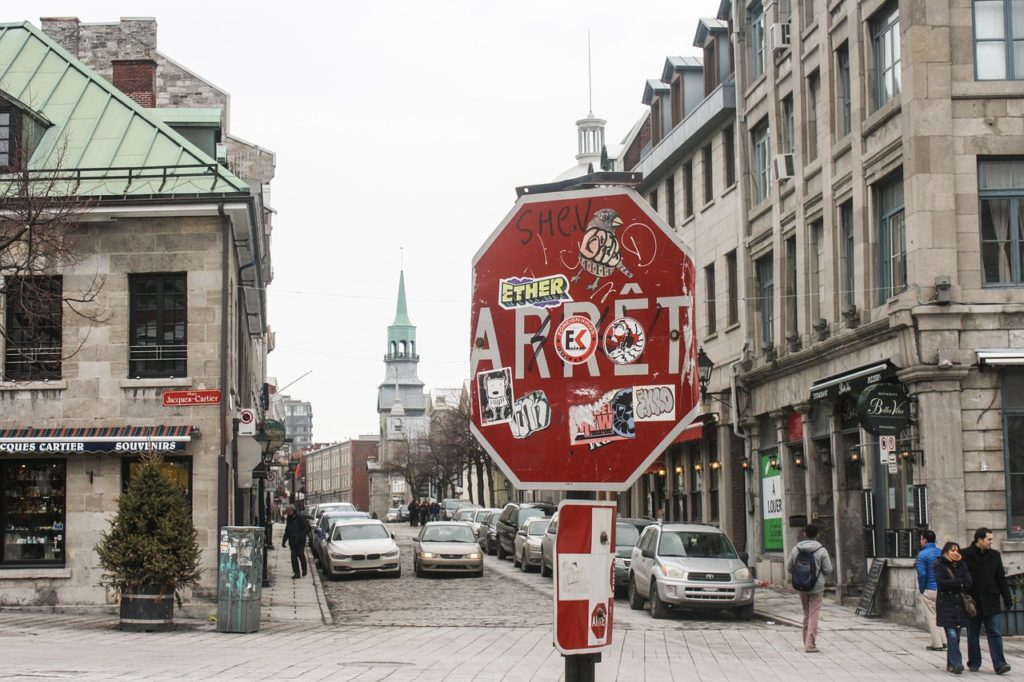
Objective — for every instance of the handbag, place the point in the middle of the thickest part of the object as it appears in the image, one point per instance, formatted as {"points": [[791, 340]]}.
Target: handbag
{"points": [[969, 606]]}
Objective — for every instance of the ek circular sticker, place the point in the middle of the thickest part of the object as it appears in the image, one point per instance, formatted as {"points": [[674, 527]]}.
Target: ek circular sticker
{"points": [[576, 339]]}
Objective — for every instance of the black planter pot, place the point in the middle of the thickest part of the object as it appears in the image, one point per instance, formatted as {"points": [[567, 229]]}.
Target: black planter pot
{"points": [[147, 609]]}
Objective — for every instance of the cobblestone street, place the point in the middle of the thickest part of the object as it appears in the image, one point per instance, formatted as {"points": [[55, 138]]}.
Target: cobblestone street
{"points": [[504, 597]]}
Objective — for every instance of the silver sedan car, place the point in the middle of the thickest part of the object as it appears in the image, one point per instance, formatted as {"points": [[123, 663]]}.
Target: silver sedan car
{"points": [[447, 547], [359, 546]]}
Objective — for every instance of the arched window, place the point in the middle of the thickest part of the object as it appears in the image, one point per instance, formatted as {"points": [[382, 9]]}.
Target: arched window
{"points": [[402, 344]]}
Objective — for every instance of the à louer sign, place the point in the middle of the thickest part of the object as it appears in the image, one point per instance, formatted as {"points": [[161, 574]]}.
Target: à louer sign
{"points": [[583, 345]]}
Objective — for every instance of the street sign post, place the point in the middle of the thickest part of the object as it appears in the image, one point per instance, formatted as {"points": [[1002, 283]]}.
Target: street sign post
{"points": [[583, 348], [584, 576]]}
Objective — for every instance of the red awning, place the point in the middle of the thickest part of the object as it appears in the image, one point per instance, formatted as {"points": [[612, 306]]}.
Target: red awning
{"points": [[692, 432]]}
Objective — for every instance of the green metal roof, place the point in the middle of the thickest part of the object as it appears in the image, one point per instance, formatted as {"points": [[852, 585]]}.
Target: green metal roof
{"points": [[104, 142], [199, 117]]}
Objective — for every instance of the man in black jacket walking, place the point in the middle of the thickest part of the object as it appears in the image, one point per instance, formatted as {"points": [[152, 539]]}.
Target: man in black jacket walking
{"points": [[295, 531], [988, 580]]}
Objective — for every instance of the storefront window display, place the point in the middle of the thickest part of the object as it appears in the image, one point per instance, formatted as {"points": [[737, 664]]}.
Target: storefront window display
{"points": [[33, 512], [1013, 444], [178, 471]]}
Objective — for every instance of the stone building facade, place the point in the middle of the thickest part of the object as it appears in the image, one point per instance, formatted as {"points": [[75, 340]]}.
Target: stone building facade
{"points": [[167, 348], [690, 177], [880, 147]]}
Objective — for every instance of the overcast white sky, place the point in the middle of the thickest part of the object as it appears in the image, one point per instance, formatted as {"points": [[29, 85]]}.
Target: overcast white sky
{"points": [[399, 124]]}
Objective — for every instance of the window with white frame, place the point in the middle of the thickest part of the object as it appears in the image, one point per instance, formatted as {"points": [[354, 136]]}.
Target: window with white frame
{"points": [[766, 299], [1001, 198], [762, 165], [788, 125], [755, 17], [885, 38], [846, 225], [892, 237], [844, 121], [998, 39]]}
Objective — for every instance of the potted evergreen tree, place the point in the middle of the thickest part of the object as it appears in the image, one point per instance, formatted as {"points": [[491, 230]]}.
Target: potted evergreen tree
{"points": [[150, 550]]}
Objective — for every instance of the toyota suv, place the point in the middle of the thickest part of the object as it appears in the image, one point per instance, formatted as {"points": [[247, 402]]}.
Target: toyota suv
{"points": [[691, 566], [512, 518]]}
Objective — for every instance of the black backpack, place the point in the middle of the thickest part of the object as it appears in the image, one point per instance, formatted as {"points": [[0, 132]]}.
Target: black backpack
{"points": [[805, 570]]}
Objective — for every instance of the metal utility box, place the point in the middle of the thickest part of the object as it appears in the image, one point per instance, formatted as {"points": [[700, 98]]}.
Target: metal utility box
{"points": [[240, 579]]}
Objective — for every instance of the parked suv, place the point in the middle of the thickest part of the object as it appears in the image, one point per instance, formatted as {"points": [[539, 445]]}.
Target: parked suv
{"points": [[689, 565], [511, 520]]}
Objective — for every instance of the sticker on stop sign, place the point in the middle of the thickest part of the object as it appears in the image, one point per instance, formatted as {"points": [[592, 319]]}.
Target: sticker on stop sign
{"points": [[576, 339]]}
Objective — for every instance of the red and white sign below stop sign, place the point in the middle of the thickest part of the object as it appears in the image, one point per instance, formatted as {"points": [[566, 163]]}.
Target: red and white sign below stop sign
{"points": [[584, 576], [583, 358]]}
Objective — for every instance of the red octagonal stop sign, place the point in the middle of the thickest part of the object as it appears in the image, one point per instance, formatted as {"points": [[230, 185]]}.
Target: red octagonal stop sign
{"points": [[583, 348]]}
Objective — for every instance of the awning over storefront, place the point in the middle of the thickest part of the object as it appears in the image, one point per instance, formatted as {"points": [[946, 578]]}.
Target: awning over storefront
{"points": [[1000, 356], [115, 439], [853, 381], [692, 432]]}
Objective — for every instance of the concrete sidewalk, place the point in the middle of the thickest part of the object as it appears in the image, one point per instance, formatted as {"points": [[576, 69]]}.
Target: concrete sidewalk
{"points": [[287, 600]]}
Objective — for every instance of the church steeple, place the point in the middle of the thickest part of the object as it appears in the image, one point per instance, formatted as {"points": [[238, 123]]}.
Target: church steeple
{"points": [[402, 332]]}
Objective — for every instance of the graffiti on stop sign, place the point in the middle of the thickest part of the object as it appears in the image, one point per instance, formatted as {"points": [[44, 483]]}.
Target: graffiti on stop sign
{"points": [[582, 309]]}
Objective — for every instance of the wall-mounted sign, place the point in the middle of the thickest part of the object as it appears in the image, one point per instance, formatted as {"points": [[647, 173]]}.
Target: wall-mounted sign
{"points": [[276, 431], [201, 397], [884, 409], [54, 447]]}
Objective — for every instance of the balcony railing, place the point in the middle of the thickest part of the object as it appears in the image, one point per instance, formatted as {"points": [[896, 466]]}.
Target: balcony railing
{"points": [[151, 360], [32, 364]]}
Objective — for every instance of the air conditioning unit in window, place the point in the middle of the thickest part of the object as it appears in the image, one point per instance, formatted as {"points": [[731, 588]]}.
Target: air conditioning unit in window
{"points": [[778, 36], [782, 166]]}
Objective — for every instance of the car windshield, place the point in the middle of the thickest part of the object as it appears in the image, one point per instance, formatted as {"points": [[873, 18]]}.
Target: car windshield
{"points": [[340, 506], [529, 513], [626, 534], [451, 504], [537, 527], [481, 516], [696, 545], [465, 515], [447, 534], [368, 531]]}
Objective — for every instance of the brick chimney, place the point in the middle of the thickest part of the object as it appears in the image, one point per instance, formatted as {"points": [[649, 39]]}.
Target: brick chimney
{"points": [[137, 79]]}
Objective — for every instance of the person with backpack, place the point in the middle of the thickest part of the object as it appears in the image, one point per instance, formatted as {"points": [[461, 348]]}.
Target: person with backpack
{"points": [[808, 565]]}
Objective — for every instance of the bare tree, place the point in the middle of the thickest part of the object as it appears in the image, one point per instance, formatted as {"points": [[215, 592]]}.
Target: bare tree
{"points": [[40, 238]]}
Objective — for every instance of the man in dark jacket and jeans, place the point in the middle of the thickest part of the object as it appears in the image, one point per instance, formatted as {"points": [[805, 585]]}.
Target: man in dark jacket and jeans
{"points": [[988, 584], [295, 531]]}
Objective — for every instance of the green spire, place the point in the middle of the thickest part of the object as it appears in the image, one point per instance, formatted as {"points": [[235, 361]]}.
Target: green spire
{"points": [[401, 314], [401, 333]]}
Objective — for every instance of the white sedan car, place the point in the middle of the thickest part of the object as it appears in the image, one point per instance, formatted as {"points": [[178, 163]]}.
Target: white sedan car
{"points": [[360, 546]]}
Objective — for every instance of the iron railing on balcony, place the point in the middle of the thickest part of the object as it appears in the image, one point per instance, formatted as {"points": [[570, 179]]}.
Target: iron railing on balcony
{"points": [[158, 360], [23, 363]]}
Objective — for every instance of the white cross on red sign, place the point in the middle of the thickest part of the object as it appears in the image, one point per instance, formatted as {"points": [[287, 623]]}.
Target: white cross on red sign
{"points": [[584, 576]]}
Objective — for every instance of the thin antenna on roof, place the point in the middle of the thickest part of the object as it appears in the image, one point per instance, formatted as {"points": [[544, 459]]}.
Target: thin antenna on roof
{"points": [[590, 79]]}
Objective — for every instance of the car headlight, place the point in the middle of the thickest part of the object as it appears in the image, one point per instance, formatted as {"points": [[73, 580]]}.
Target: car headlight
{"points": [[390, 555], [340, 557], [426, 555], [741, 573], [673, 572], [473, 556]]}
